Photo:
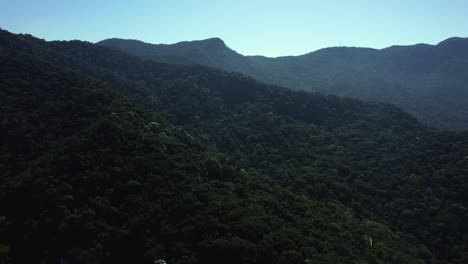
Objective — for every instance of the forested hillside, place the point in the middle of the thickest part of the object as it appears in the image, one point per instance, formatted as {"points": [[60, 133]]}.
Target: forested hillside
{"points": [[89, 178], [427, 81], [363, 168]]}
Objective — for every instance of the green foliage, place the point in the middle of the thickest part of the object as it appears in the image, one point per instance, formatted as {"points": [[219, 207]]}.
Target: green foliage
{"points": [[427, 81], [92, 180], [231, 167]]}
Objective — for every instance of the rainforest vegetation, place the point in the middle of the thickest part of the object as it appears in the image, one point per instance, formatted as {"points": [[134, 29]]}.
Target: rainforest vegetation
{"points": [[107, 157]]}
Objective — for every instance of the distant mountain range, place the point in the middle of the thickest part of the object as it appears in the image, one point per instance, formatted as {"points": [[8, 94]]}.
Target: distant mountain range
{"points": [[109, 158], [428, 81]]}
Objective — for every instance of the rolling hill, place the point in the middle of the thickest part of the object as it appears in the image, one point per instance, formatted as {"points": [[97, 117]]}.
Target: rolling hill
{"points": [[428, 81], [112, 157]]}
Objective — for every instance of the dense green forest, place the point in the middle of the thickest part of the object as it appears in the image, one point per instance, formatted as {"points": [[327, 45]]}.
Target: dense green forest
{"points": [[425, 80], [89, 178], [197, 165]]}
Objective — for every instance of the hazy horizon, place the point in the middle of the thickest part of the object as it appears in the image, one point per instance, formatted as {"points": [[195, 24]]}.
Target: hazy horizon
{"points": [[261, 28], [229, 46]]}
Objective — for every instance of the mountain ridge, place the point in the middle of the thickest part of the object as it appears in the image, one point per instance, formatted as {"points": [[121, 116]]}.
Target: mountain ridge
{"points": [[426, 80], [402, 182], [220, 40]]}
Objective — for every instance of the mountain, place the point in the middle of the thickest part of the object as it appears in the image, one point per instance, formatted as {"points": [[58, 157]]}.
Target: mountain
{"points": [[227, 169], [428, 81], [212, 52], [87, 177]]}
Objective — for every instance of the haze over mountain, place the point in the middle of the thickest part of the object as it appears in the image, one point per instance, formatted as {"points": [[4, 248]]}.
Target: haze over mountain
{"points": [[109, 158], [428, 81]]}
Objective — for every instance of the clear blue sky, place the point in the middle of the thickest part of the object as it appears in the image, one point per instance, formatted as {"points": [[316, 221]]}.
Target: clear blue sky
{"points": [[271, 28]]}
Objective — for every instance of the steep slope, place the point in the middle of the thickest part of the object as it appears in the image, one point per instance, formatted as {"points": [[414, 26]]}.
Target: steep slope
{"points": [[211, 52], [373, 158], [89, 178], [427, 81]]}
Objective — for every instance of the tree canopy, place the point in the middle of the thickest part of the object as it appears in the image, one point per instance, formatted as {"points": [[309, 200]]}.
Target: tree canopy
{"points": [[107, 157]]}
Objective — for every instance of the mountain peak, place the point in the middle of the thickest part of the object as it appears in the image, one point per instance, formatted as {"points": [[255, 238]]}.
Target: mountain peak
{"points": [[215, 40], [211, 43], [455, 41]]}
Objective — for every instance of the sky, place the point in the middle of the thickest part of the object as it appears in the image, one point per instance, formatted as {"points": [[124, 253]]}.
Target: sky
{"points": [[270, 28]]}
